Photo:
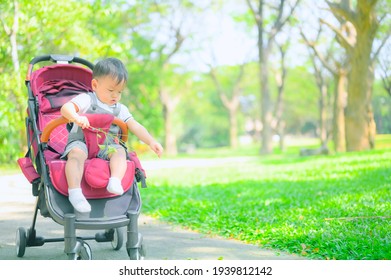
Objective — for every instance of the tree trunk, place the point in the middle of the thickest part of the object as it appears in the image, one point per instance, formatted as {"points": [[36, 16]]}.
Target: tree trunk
{"points": [[233, 128], [170, 138], [230, 103], [281, 134], [266, 106], [323, 115], [276, 21], [280, 78], [339, 112], [12, 33], [372, 123], [359, 115], [357, 38], [169, 105]]}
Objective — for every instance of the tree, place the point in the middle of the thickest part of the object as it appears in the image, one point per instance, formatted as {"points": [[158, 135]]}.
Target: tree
{"points": [[164, 31], [280, 77], [10, 27], [12, 31], [28, 30], [205, 123], [357, 39], [266, 35], [336, 65], [230, 99], [384, 69]]}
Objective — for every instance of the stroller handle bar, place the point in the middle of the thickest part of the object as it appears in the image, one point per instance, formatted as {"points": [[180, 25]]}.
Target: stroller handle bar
{"points": [[56, 58], [61, 120]]}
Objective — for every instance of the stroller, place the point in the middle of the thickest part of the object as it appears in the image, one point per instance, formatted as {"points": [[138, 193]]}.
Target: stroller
{"points": [[48, 89]]}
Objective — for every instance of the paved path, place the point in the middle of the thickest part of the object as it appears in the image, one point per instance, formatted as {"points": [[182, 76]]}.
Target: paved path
{"points": [[162, 241]]}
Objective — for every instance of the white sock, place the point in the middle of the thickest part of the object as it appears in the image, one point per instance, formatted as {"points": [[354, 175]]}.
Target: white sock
{"points": [[78, 201], [115, 186]]}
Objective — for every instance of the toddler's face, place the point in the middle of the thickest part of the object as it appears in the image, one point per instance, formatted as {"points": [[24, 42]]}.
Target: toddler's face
{"points": [[108, 90]]}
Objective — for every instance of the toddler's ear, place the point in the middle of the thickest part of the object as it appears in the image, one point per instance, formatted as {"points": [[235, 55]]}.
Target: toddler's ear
{"points": [[94, 84]]}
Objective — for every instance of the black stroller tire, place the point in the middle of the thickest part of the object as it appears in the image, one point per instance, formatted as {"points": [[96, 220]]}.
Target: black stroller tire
{"points": [[118, 239], [136, 253], [21, 241], [83, 252]]}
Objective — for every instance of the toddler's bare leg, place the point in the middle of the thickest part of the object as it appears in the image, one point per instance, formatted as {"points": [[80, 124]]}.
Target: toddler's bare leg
{"points": [[74, 169], [117, 168], [118, 163]]}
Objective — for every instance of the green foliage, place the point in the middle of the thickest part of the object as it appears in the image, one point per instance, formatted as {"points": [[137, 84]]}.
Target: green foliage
{"points": [[381, 103], [207, 120], [333, 207], [91, 30], [142, 34], [301, 100]]}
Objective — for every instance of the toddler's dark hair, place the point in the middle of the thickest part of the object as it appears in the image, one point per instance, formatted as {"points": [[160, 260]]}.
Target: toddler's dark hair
{"points": [[111, 66]]}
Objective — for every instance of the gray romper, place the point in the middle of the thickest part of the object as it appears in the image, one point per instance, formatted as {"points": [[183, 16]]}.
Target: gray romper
{"points": [[76, 136]]}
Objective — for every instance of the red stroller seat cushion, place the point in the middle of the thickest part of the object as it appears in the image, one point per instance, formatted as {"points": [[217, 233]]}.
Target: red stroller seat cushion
{"points": [[95, 177], [97, 173]]}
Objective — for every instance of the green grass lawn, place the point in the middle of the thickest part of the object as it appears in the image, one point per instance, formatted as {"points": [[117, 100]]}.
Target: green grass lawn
{"points": [[322, 207]]}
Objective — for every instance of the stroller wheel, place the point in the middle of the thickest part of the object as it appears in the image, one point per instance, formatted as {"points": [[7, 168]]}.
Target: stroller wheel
{"points": [[21, 241], [136, 253], [83, 252], [118, 238]]}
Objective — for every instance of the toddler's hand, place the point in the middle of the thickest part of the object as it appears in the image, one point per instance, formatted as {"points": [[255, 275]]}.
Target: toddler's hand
{"points": [[156, 147], [82, 121]]}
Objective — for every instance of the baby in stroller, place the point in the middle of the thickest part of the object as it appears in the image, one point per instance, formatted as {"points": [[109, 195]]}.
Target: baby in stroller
{"points": [[60, 95], [109, 80]]}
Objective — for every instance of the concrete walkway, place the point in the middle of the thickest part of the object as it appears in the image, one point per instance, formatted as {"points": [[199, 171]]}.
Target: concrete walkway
{"points": [[162, 241]]}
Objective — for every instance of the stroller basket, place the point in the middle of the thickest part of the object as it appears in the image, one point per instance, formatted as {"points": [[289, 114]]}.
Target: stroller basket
{"points": [[48, 89]]}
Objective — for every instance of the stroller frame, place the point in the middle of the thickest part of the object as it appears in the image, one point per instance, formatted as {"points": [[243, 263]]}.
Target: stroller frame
{"points": [[50, 203]]}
